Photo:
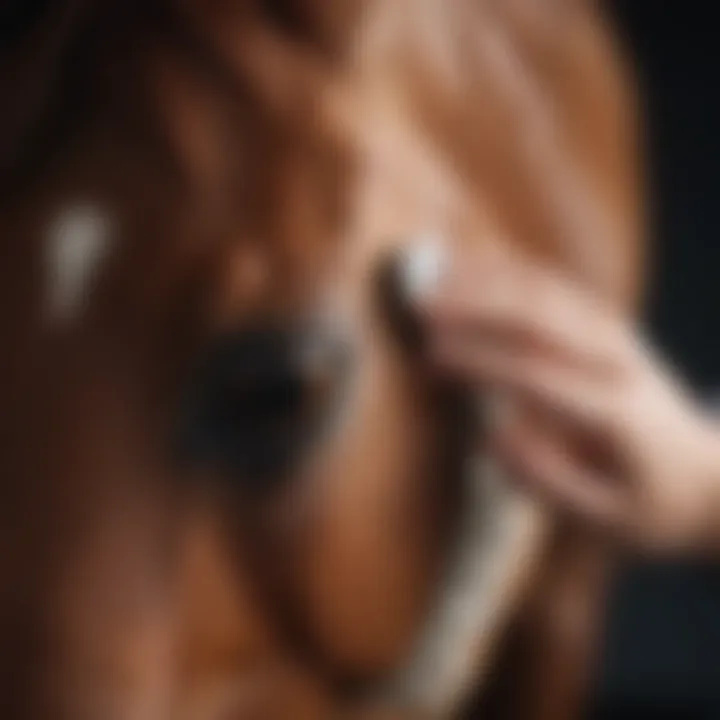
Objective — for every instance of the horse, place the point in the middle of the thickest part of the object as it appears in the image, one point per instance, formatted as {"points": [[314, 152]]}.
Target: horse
{"points": [[231, 487]]}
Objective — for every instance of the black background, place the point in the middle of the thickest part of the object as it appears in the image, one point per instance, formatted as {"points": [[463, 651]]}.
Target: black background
{"points": [[662, 658]]}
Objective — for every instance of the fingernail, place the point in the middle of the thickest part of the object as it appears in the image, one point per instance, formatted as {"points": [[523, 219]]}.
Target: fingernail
{"points": [[422, 267]]}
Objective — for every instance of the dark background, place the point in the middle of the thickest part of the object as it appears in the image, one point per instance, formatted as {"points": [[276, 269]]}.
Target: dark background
{"points": [[662, 658]]}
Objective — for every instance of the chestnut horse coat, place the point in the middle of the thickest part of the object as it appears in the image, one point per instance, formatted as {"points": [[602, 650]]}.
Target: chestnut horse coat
{"points": [[177, 175]]}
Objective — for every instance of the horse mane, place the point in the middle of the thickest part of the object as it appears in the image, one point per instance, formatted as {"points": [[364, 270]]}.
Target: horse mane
{"points": [[55, 59]]}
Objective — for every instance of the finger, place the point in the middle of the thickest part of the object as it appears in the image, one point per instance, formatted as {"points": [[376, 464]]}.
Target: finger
{"points": [[545, 468], [532, 308], [553, 387]]}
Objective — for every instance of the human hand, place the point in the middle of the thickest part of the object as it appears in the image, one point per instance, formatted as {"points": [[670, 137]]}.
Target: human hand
{"points": [[603, 428]]}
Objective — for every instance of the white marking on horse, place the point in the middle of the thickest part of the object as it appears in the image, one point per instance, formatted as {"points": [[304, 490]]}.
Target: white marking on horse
{"points": [[497, 540], [78, 241], [498, 536]]}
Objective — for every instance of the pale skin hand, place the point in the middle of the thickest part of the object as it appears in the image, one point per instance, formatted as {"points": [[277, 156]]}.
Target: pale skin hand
{"points": [[570, 363]]}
